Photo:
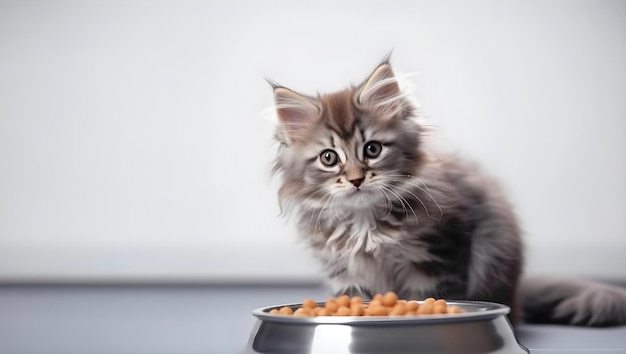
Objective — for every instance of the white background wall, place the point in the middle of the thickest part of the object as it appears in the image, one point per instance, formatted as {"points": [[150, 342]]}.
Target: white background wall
{"points": [[132, 145]]}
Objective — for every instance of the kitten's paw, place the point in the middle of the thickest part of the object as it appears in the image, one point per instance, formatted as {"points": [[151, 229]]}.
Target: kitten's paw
{"points": [[597, 305], [354, 291]]}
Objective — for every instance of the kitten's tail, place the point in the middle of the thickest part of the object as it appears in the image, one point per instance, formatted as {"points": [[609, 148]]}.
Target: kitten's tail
{"points": [[573, 302]]}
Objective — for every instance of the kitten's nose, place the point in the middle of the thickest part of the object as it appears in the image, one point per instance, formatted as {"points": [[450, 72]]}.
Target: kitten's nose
{"points": [[357, 182]]}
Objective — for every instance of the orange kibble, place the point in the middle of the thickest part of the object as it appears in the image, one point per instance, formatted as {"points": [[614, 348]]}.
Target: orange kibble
{"points": [[378, 310], [439, 309], [343, 300], [376, 302], [322, 312], [398, 310], [356, 304], [427, 308], [390, 298], [412, 306], [285, 311], [314, 311], [343, 311], [380, 305], [357, 310], [309, 304], [356, 300], [331, 306], [301, 312], [454, 309]]}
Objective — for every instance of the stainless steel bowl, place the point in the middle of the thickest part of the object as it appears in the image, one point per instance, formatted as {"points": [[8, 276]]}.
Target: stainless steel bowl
{"points": [[482, 328]]}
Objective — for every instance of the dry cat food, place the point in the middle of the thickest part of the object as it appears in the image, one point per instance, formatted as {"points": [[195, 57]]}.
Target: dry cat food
{"points": [[380, 305]]}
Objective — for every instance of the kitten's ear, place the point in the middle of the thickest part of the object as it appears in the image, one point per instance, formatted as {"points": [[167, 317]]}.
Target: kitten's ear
{"points": [[297, 114], [381, 90]]}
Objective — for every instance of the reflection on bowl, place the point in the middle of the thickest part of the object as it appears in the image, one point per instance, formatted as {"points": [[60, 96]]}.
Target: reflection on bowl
{"points": [[482, 328]]}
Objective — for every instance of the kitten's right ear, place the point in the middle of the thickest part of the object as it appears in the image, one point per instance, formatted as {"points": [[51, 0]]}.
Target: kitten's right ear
{"points": [[297, 114], [381, 88]]}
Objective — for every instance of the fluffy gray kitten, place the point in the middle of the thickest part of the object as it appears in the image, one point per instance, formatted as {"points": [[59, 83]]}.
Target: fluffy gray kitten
{"points": [[383, 213]]}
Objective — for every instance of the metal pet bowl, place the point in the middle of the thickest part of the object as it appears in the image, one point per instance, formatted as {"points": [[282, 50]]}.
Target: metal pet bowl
{"points": [[482, 328]]}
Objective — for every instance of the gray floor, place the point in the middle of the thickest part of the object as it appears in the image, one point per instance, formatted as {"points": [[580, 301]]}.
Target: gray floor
{"points": [[192, 319]]}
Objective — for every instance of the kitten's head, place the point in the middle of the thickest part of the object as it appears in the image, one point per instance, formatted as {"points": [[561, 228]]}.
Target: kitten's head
{"points": [[348, 148]]}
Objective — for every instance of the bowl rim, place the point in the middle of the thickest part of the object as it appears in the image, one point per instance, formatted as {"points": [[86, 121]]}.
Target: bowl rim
{"points": [[474, 311]]}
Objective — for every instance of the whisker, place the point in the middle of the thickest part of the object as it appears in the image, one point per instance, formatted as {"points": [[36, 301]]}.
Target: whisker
{"points": [[407, 204], [403, 201], [427, 191], [319, 212], [409, 180], [395, 195], [431, 197], [295, 197], [334, 209], [416, 197], [388, 200]]}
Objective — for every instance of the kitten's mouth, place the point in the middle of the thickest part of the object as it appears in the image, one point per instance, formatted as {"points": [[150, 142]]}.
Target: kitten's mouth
{"points": [[358, 190], [357, 198]]}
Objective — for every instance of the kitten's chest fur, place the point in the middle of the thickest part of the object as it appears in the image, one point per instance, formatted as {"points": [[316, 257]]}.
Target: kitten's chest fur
{"points": [[372, 248]]}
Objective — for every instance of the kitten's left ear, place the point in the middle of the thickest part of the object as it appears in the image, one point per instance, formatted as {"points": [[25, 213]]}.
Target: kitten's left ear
{"points": [[381, 88]]}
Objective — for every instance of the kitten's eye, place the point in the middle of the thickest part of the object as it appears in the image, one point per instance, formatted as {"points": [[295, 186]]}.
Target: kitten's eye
{"points": [[329, 158], [372, 149]]}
